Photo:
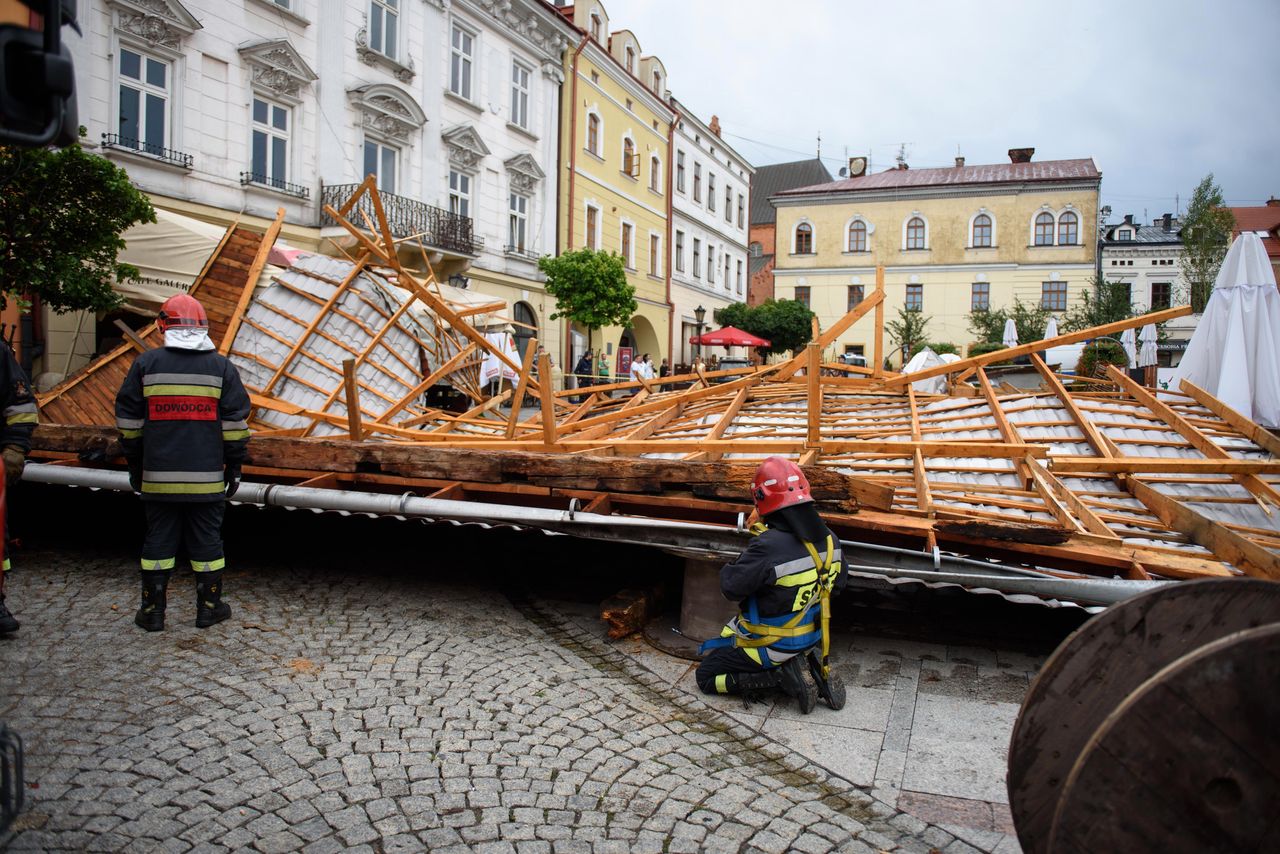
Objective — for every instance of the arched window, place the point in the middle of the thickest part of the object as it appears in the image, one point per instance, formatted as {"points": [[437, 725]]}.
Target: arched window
{"points": [[915, 233], [1044, 229], [756, 250], [1068, 229], [804, 239], [629, 157], [526, 326], [858, 236], [655, 174], [593, 134], [982, 231]]}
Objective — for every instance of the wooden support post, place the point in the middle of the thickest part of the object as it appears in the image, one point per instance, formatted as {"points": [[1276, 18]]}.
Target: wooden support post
{"points": [[251, 282], [131, 336], [826, 339], [546, 399], [521, 386], [877, 369], [924, 496], [813, 376], [353, 400]]}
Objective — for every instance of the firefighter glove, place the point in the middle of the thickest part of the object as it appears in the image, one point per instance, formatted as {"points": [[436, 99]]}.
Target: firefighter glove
{"points": [[14, 460], [135, 478], [232, 479]]}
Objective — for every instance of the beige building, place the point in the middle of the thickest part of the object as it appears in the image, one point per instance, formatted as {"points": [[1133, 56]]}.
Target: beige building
{"points": [[952, 241]]}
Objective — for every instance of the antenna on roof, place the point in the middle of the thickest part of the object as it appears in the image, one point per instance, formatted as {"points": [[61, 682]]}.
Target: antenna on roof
{"points": [[902, 155], [819, 145]]}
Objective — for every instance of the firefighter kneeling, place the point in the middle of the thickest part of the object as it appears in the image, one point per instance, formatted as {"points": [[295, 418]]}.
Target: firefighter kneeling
{"points": [[783, 582], [181, 414]]}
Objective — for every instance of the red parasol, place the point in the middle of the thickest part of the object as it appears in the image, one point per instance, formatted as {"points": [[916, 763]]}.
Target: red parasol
{"points": [[729, 336]]}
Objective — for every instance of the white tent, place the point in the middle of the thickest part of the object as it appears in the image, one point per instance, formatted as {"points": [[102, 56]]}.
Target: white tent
{"points": [[169, 253], [924, 360], [1010, 338], [1234, 353]]}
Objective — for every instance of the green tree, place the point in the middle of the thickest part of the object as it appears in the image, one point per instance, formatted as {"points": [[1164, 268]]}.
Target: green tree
{"points": [[61, 216], [908, 330], [1029, 319], [590, 288], [733, 314], [788, 324], [1106, 302], [1206, 237]]}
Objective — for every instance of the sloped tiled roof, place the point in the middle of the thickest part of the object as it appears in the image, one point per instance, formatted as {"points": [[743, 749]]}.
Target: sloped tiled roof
{"points": [[1265, 218], [771, 180], [1045, 171]]}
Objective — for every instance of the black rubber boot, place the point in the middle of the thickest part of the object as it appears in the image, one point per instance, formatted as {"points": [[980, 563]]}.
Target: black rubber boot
{"points": [[8, 624], [755, 686], [151, 615], [798, 683], [210, 608]]}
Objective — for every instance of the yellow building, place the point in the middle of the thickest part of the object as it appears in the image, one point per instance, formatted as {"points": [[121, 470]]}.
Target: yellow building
{"points": [[614, 162], [952, 241]]}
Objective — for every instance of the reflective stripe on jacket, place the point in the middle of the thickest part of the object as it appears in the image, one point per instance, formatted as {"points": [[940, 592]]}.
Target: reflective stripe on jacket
{"points": [[18, 403]]}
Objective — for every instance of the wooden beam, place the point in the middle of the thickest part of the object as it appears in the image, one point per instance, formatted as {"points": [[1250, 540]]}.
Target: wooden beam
{"points": [[1092, 523], [1246, 426], [1037, 346], [251, 282], [826, 339], [726, 418], [1054, 385], [546, 400], [353, 399], [813, 378], [1188, 431], [131, 336], [521, 386], [877, 369], [1226, 545], [427, 382], [1161, 465], [924, 495]]}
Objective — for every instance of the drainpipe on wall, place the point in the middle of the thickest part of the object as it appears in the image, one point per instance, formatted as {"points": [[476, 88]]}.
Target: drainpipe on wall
{"points": [[671, 168]]}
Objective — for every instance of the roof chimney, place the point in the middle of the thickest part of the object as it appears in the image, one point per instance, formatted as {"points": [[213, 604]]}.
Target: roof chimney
{"points": [[1021, 155], [1167, 222], [715, 125], [1128, 219], [959, 162], [1273, 202]]}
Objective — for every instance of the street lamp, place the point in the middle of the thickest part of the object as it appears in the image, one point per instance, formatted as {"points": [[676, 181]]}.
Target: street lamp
{"points": [[699, 314]]}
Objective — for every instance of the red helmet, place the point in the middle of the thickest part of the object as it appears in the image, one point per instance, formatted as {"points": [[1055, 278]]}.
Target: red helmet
{"points": [[182, 310], [779, 483]]}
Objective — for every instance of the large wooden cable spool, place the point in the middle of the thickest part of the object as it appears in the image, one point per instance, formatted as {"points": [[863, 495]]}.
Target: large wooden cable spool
{"points": [[1188, 763], [1099, 666]]}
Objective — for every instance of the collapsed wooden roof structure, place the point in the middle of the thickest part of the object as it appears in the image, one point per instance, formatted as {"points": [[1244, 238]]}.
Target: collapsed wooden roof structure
{"points": [[1114, 479]]}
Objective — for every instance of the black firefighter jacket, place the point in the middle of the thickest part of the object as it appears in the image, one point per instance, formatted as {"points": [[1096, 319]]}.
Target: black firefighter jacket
{"points": [[776, 569], [182, 417], [17, 401]]}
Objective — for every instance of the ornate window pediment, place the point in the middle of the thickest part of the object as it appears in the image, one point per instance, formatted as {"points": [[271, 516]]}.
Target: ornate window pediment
{"points": [[523, 172], [466, 148], [159, 23], [387, 111], [277, 68]]}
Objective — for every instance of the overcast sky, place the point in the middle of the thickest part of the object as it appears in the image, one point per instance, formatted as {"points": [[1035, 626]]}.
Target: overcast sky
{"points": [[1157, 93]]}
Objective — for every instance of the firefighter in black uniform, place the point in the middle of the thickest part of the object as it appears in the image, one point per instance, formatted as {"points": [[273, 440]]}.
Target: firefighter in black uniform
{"points": [[182, 414], [782, 582], [19, 406]]}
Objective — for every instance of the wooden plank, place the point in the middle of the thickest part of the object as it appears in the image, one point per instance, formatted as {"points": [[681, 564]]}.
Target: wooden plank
{"points": [[131, 336], [1088, 518], [1248, 428], [547, 400], [726, 418], [829, 337], [813, 378], [522, 386], [1161, 465], [877, 369], [353, 399], [1037, 346], [1198, 440], [251, 282]]}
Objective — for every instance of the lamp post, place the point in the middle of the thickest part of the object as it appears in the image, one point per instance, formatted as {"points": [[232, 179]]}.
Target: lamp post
{"points": [[699, 314]]}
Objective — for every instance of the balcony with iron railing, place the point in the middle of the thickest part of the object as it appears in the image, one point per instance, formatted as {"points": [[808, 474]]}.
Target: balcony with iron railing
{"points": [[277, 184], [432, 226], [149, 150]]}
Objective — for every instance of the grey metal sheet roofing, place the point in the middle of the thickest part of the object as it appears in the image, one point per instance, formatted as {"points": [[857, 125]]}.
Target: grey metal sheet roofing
{"points": [[771, 180], [993, 173]]}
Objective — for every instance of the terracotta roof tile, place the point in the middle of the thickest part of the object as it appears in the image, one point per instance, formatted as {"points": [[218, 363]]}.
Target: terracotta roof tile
{"points": [[1264, 218]]}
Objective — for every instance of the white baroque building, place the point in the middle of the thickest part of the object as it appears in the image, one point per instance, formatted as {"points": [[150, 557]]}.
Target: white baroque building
{"points": [[226, 109], [711, 201]]}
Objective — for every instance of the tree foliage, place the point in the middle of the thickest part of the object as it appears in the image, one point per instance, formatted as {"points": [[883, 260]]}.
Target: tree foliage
{"points": [[787, 324], [1029, 319], [1106, 302], [938, 347], [590, 288], [61, 216], [1206, 237], [908, 330], [1100, 352]]}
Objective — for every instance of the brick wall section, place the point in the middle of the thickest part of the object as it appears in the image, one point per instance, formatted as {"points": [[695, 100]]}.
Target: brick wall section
{"points": [[760, 287]]}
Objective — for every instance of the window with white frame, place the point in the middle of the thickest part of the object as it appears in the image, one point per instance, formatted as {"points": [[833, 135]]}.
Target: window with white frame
{"points": [[143, 120], [595, 26], [857, 236], [727, 262], [711, 190], [728, 205], [1044, 229], [629, 164], [628, 245], [655, 174], [679, 171], [593, 134], [711, 264], [517, 221], [804, 239], [269, 144], [459, 193], [462, 53], [679, 253], [742, 206], [519, 95], [697, 181], [739, 275], [655, 255], [631, 60], [697, 258], [915, 233], [981, 232], [1068, 229], [593, 227], [381, 162], [384, 22]]}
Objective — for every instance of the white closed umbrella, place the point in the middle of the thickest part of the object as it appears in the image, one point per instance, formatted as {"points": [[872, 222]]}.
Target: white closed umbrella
{"points": [[1051, 328], [1234, 353], [1150, 339], [1130, 343], [1010, 334]]}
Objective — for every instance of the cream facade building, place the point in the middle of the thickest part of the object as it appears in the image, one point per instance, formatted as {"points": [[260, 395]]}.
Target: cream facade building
{"points": [[952, 240], [229, 109], [614, 176]]}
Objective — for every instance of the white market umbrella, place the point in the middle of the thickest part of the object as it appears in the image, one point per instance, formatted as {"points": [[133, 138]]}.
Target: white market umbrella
{"points": [[1010, 333], [1234, 353], [1051, 328], [1130, 343], [1150, 339]]}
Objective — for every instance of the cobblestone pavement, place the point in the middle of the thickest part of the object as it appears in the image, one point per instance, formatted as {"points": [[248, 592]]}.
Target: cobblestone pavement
{"points": [[384, 712]]}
